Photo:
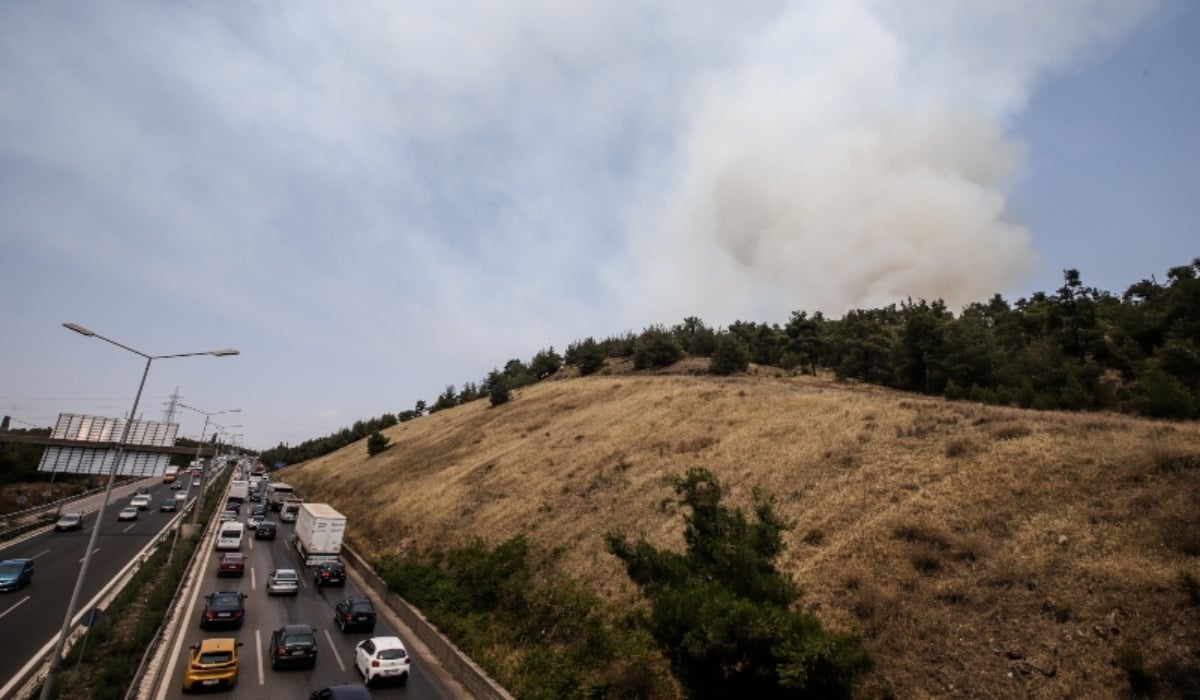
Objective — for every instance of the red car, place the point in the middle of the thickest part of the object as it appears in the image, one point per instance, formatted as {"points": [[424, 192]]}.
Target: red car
{"points": [[232, 564]]}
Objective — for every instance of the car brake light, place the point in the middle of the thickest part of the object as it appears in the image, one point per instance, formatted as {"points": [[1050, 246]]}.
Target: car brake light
{"points": [[208, 614], [374, 662], [280, 651]]}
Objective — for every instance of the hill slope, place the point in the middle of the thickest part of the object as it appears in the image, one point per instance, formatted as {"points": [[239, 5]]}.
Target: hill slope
{"points": [[980, 551]]}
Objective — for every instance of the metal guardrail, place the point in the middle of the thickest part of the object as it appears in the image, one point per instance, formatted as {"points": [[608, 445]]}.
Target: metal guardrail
{"points": [[38, 511]]}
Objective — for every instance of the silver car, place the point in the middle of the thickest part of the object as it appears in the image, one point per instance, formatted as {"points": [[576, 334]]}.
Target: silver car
{"points": [[283, 582]]}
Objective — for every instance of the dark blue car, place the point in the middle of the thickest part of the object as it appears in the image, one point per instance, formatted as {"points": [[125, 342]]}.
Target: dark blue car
{"points": [[15, 573]]}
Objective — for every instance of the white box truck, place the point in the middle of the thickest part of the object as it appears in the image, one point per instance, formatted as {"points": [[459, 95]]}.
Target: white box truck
{"points": [[319, 530], [239, 491]]}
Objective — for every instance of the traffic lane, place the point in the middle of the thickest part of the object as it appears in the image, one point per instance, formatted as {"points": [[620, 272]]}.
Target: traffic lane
{"points": [[264, 613], [58, 556]]}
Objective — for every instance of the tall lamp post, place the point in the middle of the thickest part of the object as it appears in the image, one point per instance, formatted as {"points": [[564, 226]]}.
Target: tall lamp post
{"points": [[203, 472], [56, 660]]}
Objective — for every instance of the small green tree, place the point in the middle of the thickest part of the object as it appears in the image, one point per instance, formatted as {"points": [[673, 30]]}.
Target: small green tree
{"points": [[586, 354], [499, 390], [727, 620], [656, 347], [729, 356], [376, 443]]}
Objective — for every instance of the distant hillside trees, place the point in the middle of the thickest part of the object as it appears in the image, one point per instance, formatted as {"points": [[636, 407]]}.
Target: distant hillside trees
{"points": [[726, 618], [1078, 348], [311, 449]]}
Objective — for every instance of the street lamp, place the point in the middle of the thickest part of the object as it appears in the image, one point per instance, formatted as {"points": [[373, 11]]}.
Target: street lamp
{"points": [[203, 472], [56, 660]]}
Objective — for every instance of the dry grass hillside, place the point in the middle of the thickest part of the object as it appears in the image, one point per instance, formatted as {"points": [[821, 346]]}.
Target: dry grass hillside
{"points": [[979, 551]]}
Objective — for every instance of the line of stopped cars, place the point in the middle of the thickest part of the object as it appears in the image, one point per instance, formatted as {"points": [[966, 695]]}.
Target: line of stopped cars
{"points": [[214, 662]]}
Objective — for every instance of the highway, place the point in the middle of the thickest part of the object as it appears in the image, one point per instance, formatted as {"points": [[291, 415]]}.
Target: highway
{"points": [[32, 616], [264, 613]]}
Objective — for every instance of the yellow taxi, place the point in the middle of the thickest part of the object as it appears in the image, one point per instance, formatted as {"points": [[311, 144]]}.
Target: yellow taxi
{"points": [[213, 663]]}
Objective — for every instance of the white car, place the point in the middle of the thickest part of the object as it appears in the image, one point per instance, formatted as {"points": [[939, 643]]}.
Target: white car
{"points": [[128, 513], [382, 658], [283, 582], [141, 501]]}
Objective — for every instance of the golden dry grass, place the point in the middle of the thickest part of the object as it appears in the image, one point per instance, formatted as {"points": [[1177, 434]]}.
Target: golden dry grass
{"points": [[980, 551]]}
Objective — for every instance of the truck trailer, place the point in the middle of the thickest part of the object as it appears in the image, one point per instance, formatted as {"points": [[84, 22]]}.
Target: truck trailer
{"points": [[319, 530]]}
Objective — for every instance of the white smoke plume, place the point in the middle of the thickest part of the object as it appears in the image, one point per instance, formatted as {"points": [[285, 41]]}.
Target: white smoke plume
{"points": [[857, 153]]}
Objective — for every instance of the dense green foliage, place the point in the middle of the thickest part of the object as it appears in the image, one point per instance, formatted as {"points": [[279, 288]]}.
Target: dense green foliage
{"points": [[729, 622], [19, 463], [537, 639], [376, 443], [728, 356]]}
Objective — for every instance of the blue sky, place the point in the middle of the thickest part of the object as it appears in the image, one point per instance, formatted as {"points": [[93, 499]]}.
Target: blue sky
{"points": [[372, 201]]}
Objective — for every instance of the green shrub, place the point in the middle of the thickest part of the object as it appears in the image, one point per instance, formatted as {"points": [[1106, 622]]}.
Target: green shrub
{"points": [[376, 443], [729, 356]]}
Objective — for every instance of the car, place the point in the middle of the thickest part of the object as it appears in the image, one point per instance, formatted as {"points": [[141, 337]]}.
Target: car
{"points": [[143, 491], [212, 663], [176, 485], [235, 506], [181, 497], [329, 573], [228, 515], [141, 501], [231, 564], [223, 609], [195, 482], [259, 510], [289, 512], [355, 613], [253, 521], [346, 691], [168, 505], [128, 513], [293, 645], [283, 582], [69, 521], [382, 659], [265, 530], [15, 573]]}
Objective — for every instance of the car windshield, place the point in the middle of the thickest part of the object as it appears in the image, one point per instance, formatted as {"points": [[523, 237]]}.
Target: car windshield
{"points": [[392, 654], [7, 568], [226, 601], [216, 657], [361, 606], [286, 574], [68, 518]]}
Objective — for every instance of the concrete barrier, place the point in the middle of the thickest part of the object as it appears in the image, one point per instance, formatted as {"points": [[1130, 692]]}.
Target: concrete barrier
{"points": [[466, 671]]}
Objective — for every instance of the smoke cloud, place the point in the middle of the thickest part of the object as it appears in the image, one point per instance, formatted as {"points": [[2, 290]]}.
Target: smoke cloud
{"points": [[854, 154]]}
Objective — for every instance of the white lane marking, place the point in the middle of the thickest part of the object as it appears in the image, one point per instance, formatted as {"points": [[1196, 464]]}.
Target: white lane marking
{"points": [[336, 656], [253, 587], [251, 541], [258, 651], [85, 556], [14, 606], [129, 528], [39, 554]]}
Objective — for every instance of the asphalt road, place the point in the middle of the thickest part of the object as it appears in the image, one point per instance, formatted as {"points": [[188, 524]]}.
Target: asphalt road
{"points": [[312, 606], [32, 616]]}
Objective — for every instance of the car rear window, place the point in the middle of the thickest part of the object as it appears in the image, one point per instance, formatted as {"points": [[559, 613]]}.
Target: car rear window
{"points": [[216, 657], [392, 654], [227, 600], [299, 640]]}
